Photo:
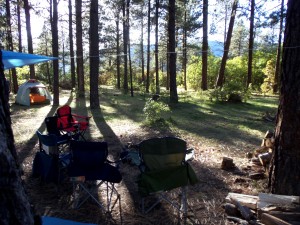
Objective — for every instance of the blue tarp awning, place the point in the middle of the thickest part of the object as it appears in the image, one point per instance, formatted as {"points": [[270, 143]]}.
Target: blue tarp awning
{"points": [[17, 59]]}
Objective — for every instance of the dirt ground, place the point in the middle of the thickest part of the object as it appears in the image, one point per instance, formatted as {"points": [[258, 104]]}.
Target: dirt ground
{"points": [[205, 199]]}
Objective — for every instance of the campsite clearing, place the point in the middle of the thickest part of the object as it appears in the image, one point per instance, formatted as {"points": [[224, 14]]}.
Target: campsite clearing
{"points": [[214, 130]]}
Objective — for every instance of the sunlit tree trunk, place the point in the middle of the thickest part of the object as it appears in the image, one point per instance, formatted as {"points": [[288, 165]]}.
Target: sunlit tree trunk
{"points": [[19, 26], [285, 169], [171, 51], [16, 209], [11, 46], [72, 60], [29, 36], [94, 55], [142, 44], [204, 46], [118, 50], [55, 54], [79, 50], [156, 47], [148, 48], [221, 76], [278, 57], [125, 44], [251, 41], [184, 50]]}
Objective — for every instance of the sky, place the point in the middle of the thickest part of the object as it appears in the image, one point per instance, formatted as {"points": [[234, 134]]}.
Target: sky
{"points": [[37, 21]]}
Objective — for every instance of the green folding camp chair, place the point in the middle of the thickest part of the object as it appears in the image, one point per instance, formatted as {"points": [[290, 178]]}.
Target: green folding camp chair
{"points": [[164, 168]]}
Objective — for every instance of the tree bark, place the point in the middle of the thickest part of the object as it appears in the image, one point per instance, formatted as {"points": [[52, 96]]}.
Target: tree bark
{"points": [[15, 207], [251, 40], [55, 54], [118, 50], [156, 47], [73, 77], [204, 46], [172, 52], [221, 76], [94, 55], [11, 46], [29, 36], [148, 48], [125, 44], [79, 52], [278, 57], [285, 169]]}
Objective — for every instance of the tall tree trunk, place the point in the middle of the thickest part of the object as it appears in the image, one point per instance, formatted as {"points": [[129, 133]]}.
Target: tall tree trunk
{"points": [[148, 48], [118, 50], [73, 77], [142, 45], [278, 57], [172, 52], [29, 36], [156, 47], [129, 50], [125, 44], [11, 46], [54, 23], [19, 26], [130, 68], [184, 50], [15, 208], [204, 46], [79, 52], [94, 55], [285, 170], [251, 41], [221, 77]]}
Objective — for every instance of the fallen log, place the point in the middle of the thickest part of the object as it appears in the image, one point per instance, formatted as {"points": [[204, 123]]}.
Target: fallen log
{"points": [[247, 200], [238, 220], [244, 210], [268, 219]]}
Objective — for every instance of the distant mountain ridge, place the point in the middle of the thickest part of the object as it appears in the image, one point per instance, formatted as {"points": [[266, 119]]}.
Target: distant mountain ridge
{"points": [[216, 48]]}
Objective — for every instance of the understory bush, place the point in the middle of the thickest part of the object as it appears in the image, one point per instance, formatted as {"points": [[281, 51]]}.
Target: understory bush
{"points": [[155, 110]]}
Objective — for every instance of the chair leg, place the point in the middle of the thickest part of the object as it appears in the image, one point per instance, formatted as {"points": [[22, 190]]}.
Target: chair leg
{"points": [[183, 207]]}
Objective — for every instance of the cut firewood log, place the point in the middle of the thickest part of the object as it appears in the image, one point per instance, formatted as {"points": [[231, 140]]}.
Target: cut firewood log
{"points": [[269, 134], [268, 219], [265, 158], [238, 220], [260, 150], [227, 163], [247, 200], [257, 176], [231, 210], [244, 210], [291, 217], [272, 202]]}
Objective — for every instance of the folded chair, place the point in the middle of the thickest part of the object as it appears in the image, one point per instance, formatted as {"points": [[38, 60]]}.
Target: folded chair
{"points": [[163, 169], [71, 123], [90, 169], [49, 163]]}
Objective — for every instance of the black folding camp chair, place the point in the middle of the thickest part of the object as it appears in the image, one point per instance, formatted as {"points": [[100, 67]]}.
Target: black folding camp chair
{"points": [[163, 169], [89, 165], [49, 163]]}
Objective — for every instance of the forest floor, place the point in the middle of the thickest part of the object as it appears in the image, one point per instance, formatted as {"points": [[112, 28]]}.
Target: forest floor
{"points": [[205, 199]]}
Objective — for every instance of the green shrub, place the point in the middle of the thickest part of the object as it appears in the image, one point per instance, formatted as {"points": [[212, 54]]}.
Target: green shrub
{"points": [[155, 110]]}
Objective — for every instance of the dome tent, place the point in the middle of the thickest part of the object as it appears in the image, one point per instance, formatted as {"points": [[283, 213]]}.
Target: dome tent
{"points": [[33, 92]]}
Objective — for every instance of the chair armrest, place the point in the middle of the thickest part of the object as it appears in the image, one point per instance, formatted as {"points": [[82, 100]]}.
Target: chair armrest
{"points": [[81, 117]]}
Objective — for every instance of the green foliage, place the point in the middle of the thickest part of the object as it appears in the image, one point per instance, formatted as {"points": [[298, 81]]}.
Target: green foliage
{"points": [[269, 71], [194, 72], [156, 111]]}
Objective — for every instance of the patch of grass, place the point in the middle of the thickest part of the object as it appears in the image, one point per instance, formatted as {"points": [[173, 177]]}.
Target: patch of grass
{"points": [[220, 122]]}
